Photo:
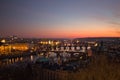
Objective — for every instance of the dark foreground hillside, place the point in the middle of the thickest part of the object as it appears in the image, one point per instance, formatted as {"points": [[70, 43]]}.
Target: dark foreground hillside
{"points": [[99, 69]]}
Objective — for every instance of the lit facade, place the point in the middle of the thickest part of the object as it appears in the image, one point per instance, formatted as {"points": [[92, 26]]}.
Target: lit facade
{"points": [[8, 48]]}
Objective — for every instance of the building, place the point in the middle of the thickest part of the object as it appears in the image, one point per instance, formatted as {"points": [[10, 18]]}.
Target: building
{"points": [[15, 47]]}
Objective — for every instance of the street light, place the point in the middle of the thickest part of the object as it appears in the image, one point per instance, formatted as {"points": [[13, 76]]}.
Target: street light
{"points": [[3, 41]]}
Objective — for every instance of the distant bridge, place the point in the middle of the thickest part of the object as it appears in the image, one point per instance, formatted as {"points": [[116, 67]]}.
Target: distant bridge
{"points": [[45, 51], [67, 49]]}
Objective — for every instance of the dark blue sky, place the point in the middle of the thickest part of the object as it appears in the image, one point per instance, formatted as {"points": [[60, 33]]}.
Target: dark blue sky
{"points": [[60, 18]]}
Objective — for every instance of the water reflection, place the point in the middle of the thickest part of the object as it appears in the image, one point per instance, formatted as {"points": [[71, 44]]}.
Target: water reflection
{"points": [[31, 57], [8, 61]]}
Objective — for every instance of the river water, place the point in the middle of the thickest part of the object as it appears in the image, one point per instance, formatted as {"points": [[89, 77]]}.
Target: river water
{"points": [[7, 62], [30, 58]]}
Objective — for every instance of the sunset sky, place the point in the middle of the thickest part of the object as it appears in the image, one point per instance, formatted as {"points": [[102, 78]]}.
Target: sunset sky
{"points": [[60, 18]]}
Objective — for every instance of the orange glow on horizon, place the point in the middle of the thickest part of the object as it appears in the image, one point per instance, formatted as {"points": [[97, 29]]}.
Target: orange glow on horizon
{"points": [[78, 35], [72, 32]]}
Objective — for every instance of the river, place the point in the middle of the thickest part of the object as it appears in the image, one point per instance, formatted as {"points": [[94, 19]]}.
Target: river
{"points": [[7, 61]]}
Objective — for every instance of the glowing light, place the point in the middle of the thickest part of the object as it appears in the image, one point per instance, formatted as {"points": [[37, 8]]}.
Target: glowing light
{"points": [[14, 47], [77, 41], [49, 42], [26, 48], [31, 58], [57, 43], [3, 41], [81, 57], [96, 44]]}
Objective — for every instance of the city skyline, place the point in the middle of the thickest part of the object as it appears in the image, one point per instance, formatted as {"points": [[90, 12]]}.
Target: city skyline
{"points": [[60, 18]]}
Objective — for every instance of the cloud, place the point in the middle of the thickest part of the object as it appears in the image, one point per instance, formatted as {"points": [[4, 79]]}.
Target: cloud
{"points": [[115, 8], [101, 18], [115, 26], [115, 23], [118, 32], [117, 14]]}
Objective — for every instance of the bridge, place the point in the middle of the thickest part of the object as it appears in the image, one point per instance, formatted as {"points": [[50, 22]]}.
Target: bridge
{"points": [[67, 49], [59, 51]]}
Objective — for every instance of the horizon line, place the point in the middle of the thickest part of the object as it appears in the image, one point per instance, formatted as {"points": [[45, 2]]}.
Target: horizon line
{"points": [[64, 37]]}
